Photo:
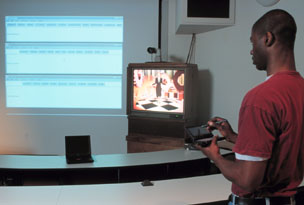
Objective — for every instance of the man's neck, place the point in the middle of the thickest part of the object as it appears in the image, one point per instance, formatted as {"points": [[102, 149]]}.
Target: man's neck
{"points": [[281, 60], [279, 69]]}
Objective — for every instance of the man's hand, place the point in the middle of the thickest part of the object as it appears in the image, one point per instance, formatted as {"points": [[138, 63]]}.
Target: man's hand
{"points": [[212, 151], [224, 128]]}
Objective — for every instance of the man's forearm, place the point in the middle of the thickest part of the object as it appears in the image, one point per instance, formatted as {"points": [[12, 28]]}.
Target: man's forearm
{"points": [[246, 174], [232, 138], [228, 168]]}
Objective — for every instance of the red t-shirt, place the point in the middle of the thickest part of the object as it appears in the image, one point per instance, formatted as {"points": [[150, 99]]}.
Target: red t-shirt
{"points": [[271, 125]]}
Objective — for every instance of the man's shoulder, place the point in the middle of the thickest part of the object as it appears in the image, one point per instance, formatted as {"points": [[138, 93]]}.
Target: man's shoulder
{"points": [[275, 89], [258, 91]]}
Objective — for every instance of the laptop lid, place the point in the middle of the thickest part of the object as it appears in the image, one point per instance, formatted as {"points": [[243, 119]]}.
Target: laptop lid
{"points": [[77, 146]]}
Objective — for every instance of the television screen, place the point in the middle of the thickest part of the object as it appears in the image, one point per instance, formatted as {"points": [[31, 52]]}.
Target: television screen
{"points": [[156, 90]]}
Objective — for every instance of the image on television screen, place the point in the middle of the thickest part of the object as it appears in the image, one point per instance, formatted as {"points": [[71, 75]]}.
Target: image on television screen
{"points": [[158, 90]]}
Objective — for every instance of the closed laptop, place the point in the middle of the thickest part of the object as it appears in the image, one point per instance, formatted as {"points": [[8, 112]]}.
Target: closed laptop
{"points": [[78, 149]]}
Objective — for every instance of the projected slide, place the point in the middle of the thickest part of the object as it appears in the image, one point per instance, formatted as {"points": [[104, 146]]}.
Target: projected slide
{"points": [[64, 62], [53, 91]]}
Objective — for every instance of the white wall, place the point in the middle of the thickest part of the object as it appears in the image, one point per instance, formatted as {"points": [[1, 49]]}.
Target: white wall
{"points": [[224, 60]]}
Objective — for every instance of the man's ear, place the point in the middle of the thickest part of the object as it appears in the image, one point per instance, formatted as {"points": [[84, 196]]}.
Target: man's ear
{"points": [[269, 40]]}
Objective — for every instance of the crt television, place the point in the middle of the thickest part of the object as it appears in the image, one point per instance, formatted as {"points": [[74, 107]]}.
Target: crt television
{"points": [[162, 90]]}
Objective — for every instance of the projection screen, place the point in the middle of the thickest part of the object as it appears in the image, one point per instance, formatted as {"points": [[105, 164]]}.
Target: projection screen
{"points": [[63, 71]]}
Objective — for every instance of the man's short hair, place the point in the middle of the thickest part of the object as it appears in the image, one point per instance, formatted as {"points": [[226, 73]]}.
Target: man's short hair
{"points": [[280, 23]]}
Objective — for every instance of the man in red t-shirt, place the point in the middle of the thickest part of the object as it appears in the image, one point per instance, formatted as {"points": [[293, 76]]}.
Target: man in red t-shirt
{"points": [[269, 146]]}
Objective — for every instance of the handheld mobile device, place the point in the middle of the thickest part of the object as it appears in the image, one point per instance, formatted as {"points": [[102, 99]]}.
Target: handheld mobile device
{"points": [[199, 135]]}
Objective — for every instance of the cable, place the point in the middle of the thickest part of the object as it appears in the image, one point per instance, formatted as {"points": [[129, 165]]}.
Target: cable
{"points": [[191, 49], [160, 2]]}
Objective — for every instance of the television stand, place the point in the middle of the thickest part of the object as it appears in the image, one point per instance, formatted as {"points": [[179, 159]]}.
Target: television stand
{"points": [[155, 134], [149, 143], [174, 128]]}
